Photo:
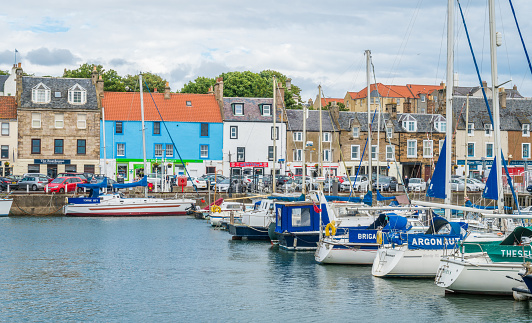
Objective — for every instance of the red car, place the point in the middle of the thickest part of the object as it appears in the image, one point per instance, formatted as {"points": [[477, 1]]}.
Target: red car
{"points": [[63, 184]]}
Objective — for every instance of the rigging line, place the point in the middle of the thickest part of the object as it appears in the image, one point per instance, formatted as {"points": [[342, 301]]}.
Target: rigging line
{"points": [[171, 139], [439, 55], [404, 42], [503, 161], [521, 36], [505, 43]]}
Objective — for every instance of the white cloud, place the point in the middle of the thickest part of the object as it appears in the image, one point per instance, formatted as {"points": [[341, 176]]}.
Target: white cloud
{"points": [[313, 42]]}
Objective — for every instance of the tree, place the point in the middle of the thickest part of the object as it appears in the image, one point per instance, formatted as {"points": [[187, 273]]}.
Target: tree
{"points": [[154, 81], [4, 72], [200, 85], [111, 80]]}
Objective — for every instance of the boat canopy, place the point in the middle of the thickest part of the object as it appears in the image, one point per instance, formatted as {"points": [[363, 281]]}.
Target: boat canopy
{"points": [[94, 188], [389, 221], [468, 203], [437, 223], [366, 200], [142, 182], [516, 236], [300, 198], [382, 198]]}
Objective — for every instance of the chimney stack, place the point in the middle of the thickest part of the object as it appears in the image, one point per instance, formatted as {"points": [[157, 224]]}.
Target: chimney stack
{"points": [[335, 112], [94, 75], [167, 91], [219, 94], [502, 98], [288, 84], [485, 84]]}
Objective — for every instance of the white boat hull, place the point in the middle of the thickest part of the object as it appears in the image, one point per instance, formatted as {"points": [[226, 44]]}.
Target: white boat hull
{"points": [[477, 275], [5, 206], [403, 262], [130, 207], [330, 252]]}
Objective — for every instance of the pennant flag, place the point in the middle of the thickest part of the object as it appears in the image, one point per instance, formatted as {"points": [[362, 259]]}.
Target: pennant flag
{"points": [[316, 208]]}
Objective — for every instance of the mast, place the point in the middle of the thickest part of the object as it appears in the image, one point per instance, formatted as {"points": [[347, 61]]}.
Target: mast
{"points": [[274, 183], [143, 132], [368, 60], [466, 146], [304, 158], [449, 103], [495, 95], [320, 144], [104, 146]]}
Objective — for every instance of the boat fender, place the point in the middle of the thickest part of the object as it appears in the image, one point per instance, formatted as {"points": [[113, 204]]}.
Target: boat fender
{"points": [[330, 229], [216, 209], [379, 237], [519, 296]]}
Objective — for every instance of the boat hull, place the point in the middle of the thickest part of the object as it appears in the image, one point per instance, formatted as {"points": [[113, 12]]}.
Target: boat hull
{"points": [[305, 240], [329, 252], [140, 207], [5, 206], [400, 261], [470, 276], [243, 231]]}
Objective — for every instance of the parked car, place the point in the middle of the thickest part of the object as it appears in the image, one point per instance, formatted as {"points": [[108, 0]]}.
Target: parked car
{"points": [[417, 184], [386, 183], [459, 185], [155, 179], [80, 175], [6, 181], [39, 175], [34, 183], [475, 182], [361, 183], [223, 186], [198, 181], [64, 184]]}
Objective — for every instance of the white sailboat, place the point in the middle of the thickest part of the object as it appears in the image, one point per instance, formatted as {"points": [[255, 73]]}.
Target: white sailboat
{"points": [[5, 206], [117, 205]]}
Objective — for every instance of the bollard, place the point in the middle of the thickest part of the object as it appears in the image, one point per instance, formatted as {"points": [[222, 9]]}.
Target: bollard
{"points": [[27, 189], [8, 187]]}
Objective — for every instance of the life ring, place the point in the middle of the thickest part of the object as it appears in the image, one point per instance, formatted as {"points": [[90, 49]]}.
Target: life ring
{"points": [[379, 237], [499, 233], [330, 229], [216, 209]]}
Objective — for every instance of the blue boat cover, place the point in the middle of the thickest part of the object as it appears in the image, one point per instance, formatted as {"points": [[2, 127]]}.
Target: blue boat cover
{"points": [[390, 221], [468, 203], [101, 184], [437, 182], [142, 182], [368, 200], [288, 198], [490, 190], [382, 198]]}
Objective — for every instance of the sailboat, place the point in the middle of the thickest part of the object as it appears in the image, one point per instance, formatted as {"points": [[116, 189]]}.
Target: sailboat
{"points": [[115, 204]]}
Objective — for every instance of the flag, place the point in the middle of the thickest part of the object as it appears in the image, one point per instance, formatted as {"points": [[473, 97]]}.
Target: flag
{"points": [[316, 208], [16, 51]]}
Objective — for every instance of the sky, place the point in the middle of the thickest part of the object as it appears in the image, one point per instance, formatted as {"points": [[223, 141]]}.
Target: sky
{"points": [[312, 42]]}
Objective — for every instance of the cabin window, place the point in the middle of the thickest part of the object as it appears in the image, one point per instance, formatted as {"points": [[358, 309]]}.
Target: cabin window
{"points": [[301, 217]]}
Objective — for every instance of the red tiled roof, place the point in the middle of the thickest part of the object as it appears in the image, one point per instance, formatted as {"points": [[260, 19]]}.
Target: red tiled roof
{"points": [[126, 106], [325, 101], [8, 107], [423, 89], [396, 91]]}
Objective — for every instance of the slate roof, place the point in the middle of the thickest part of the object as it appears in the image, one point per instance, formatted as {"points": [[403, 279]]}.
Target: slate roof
{"points": [[465, 90], [8, 107], [125, 106], [516, 112], [3, 79], [251, 110], [61, 85], [295, 121]]}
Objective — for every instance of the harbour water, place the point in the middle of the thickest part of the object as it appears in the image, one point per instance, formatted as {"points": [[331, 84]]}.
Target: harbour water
{"points": [[179, 269]]}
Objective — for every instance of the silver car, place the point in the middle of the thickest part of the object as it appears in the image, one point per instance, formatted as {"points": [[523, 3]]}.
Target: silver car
{"points": [[35, 183]]}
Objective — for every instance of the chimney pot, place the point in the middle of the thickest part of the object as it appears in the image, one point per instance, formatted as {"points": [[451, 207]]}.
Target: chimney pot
{"points": [[154, 90], [19, 65]]}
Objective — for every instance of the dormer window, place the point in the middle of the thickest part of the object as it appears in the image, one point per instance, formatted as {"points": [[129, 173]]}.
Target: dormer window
{"points": [[410, 124], [189, 103], [487, 129], [356, 132], [77, 95], [526, 130], [238, 109], [40, 94], [266, 109], [440, 124], [423, 98]]}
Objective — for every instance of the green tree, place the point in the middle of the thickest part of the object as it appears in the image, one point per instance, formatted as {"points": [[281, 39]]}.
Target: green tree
{"points": [[154, 81], [200, 85], [111, 80], [4, 72]]}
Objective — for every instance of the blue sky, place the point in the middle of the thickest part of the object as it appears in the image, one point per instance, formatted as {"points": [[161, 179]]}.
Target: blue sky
{"points": [[313, 42]]}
